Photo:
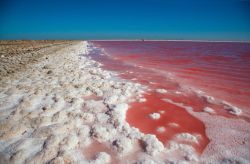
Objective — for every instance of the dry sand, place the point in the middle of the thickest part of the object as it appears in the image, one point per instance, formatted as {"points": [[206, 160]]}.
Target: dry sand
{"points": [[58, 106], [16, 54]]}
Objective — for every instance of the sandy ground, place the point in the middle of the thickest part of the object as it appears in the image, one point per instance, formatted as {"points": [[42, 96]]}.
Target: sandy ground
{"points": [[58, 106], [15, 55]]}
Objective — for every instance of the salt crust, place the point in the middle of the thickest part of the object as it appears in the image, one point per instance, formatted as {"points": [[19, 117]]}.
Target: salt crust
{"points": [[232, 109], [227, 106], [161, 91], [44, 117], [161, 129], [155, 116], [173, 125], [181, 153], [151, 144], [230, 148], [146, 159], [209, 110], [187, 137], [229, 138], [101, 158], [123, 145], [142, 100]]}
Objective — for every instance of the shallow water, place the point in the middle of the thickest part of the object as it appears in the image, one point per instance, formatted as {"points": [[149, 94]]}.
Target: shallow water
{"points": [[220, 70]]}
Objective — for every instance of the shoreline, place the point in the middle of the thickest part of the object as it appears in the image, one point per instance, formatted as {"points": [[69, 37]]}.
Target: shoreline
{"points": [[213, 151], [50, 121], [64, 103], [163, 40]]}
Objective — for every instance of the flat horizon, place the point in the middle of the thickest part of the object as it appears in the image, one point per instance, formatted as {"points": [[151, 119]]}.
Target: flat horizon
{"points": [[164, 40], [178, 40]]}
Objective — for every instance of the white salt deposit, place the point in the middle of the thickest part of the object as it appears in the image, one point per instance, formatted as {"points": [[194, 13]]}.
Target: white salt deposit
{"points": [[178, 104], [151, 144], [102, 133], [112, 99], [155, 116], [161, 90], [178, 92], [229, 139], [101, 158], [232, 109], [209, 110], [189, 155], [146, 159], [119, 111], [45, 103], [152, 82], [141, 100], [187, 137], [161, 129], [209, 99], [203, 95], [123, 145], [173, 125]]}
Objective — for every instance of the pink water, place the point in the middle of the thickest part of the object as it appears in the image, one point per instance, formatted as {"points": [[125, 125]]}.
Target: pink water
{"points": [[221, 70]]}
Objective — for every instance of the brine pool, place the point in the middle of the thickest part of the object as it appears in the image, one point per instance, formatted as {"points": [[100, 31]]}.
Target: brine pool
{"points": [[180, 76]]}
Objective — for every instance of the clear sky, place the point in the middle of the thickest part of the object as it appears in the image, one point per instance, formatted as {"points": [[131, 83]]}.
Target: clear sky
{"points": [[125, 19]]}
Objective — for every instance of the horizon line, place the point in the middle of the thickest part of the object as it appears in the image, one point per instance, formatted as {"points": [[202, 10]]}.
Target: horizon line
{"points": [[177, 40], [174, 40]]}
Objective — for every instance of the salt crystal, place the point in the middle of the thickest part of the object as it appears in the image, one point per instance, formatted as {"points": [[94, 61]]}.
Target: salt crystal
{"points": [[161, 129], [161, 91], [208, 110], [155, 116]]}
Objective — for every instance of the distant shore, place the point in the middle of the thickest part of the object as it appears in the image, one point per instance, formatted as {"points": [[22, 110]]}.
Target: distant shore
{"points": [[159, 40]]}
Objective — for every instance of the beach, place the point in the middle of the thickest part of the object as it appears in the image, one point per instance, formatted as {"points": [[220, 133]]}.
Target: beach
{"points": [[60, 104]]}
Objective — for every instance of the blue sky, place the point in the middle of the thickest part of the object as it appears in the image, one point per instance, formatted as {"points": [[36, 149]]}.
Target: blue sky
{"points": [[125, 19]]}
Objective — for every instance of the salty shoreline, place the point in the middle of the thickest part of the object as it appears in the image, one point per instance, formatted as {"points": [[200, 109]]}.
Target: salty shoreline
{"points": [[63, 103], [236, 136], [45, 118]]}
